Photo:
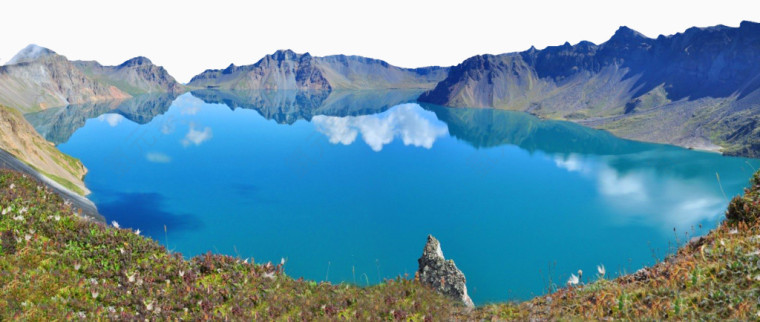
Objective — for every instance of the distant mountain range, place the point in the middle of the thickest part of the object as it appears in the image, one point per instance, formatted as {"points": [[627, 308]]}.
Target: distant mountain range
{"points": [[699, 88], [286, 70], [696, 89]]}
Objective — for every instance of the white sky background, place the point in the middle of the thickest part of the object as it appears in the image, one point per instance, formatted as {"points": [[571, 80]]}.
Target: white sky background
{"points": [[187, 37]]}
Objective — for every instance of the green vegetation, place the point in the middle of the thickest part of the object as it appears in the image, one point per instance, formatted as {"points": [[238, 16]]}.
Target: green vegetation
{"points": [[57, 265]]}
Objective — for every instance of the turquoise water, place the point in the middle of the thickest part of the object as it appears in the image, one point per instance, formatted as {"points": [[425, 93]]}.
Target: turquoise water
{"points": [[347, 186]]}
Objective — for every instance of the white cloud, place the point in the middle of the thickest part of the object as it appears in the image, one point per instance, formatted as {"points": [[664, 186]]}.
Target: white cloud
{"points": [[410, 122], [196, 137], [157, 157], [112, 119]]}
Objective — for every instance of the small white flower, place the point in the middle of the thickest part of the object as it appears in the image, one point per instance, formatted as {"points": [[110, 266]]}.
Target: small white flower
{"points": [[114, 223], [573, 280], [245, 261], [121, 250], [27, 237], [282, 261], [137, 232], [18, 218], [57, 217], [13, 186], [181, 273], [23, 210], [601, 269], [269, 275], [94, 295], [82, 315], [6, 210], [94, 281], [131, 278], [148, 305], [111, 309], [733, 231], [77, 266]]}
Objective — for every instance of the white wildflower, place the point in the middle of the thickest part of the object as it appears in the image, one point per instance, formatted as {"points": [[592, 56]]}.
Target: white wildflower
{"points": [[121, 250], [111, 309], [137, 232], [733, 231], [131, 278], [77, 266], [95, 295], [148, 305], [94, 281], [114, 223], [602, 271], [18, 218], [13, 186], [23, 210], [181, 273], [573, 280], [27, 237], [7, 210], [245, 261], [82, 315], [57, 217], [722, 243], [269, 275], [282, 261]]}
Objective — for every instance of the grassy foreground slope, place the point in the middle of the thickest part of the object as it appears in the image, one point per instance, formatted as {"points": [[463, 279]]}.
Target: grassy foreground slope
{"points": [[54, 264]]}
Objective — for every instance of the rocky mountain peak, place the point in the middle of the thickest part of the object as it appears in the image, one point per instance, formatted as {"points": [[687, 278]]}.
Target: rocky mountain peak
{"points": [[284, 54], [137, 61], [625, 33], [31, 52], [441, 274]]}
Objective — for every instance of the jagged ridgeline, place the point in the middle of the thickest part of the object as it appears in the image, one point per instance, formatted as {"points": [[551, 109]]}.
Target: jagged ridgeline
{"points": [[38, 78], [696, 89], [286, 70]]}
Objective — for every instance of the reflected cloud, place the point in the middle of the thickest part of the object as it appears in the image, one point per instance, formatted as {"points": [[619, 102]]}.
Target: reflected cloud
{"points": [[414, 125], [196, 137], [157, 157], [112, 119], [647, 197]]}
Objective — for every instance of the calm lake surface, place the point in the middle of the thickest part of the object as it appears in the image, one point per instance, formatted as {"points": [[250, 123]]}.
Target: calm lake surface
{"points": [[346, 186]]}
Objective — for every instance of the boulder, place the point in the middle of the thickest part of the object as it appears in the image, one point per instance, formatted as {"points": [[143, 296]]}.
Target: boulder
{"points": [[441, 274]]}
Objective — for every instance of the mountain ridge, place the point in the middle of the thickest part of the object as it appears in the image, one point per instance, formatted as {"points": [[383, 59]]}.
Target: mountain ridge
{"points": [[287, 70], [678, 89], [38, 78]]}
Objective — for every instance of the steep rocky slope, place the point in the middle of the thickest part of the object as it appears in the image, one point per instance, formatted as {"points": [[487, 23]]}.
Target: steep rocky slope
{"points": [[286, 70], [45, 79], [699, 88], [37, 78], [19, 138], [135, 76]]}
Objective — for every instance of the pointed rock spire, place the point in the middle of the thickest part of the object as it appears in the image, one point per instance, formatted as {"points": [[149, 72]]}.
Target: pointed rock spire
{"points": [[441, 274]]}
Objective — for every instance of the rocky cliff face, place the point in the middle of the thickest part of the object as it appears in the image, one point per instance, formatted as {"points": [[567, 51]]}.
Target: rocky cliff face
{"points": [[19, 138], [683, 89], [286, 70], [136, 76], [441, 274], [42, 79]]}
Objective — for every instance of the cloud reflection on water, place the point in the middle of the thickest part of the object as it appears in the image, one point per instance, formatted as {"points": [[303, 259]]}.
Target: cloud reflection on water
{"points": [[649, 197], [414, 125]]}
